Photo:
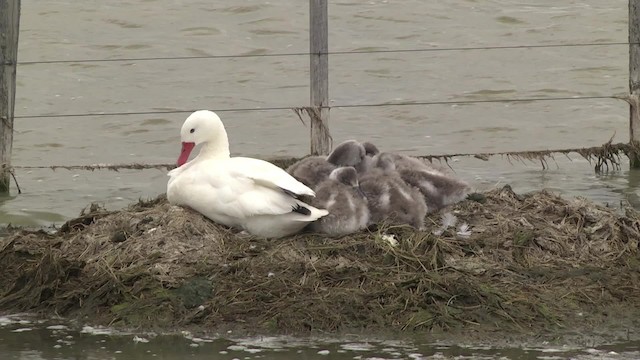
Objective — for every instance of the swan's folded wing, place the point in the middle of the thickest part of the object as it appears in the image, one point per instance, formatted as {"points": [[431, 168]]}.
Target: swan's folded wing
{"points": [[231, 190], [268, 175]]}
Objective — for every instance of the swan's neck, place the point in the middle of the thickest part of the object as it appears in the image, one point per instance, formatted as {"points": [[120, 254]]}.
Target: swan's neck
{"points": [[216, 149]]}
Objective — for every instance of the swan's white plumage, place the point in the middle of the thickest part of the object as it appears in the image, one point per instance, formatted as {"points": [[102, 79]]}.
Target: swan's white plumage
{"points": [[241, 192]]}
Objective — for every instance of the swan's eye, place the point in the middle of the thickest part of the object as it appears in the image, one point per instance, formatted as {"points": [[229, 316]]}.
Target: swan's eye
{"points": [[192, 131]]}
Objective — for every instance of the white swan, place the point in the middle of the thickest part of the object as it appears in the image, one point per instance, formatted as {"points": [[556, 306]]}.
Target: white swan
{"points": [[239, 192]]}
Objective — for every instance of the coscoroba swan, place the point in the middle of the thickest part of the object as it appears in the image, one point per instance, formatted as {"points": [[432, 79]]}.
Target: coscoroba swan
{"points": [[239, 192]]}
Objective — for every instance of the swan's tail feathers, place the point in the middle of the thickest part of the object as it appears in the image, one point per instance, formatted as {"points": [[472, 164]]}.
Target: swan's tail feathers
{"points": [[310, 213]]}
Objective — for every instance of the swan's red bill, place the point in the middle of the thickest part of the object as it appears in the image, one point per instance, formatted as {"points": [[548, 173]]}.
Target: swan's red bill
{"points": [[185, 152]]}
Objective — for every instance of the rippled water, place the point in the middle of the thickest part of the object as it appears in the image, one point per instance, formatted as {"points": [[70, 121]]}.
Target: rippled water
{"points": [[24, 338], [91, 29]]}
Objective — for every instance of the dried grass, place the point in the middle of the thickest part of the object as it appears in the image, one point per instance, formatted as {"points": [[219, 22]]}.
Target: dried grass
{"points": [[533, 261]]}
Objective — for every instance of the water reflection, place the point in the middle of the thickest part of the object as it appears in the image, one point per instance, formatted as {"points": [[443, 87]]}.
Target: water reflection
{"points": [[25, 217], [22, 337], [627, 184]]}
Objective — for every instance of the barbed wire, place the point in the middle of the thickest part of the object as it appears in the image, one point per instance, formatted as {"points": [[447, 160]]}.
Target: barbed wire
{"points": [[280, 108], [338, 52], [604, 155], [93, 167]]}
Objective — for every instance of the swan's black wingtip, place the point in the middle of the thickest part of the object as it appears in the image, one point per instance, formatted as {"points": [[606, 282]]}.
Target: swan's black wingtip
{"points": [[290, 193], [301, 210]]}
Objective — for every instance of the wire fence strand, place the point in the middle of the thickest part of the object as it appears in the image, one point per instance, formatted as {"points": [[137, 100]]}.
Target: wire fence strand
{"points": [[604, 155], [338, 52], [344, 106]]}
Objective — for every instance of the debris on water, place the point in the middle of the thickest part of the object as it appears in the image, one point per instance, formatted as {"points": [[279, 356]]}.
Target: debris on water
{"points": [[201, 340], [96, 330], [57, 327], [137, 339], [21, 330], [7, 320], [357, 346]]}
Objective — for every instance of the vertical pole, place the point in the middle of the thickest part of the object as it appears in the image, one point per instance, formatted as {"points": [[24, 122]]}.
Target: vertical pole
{"points": [[634, 79], [9, 27], [319, 47]]}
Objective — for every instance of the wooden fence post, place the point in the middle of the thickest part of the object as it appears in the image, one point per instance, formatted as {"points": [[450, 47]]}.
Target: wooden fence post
{"points": [[319, 47], [9, 27], [634, 78]]}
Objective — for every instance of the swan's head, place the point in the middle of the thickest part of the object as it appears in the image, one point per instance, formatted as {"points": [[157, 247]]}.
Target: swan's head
{"points": [[202, 126], [348, 153]]}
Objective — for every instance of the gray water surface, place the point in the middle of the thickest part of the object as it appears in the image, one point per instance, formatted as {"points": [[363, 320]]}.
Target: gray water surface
{"points": [[91, 29], [26, 338]]}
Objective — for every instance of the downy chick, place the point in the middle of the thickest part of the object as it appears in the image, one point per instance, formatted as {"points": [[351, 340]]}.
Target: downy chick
{"points": [[438, 188], [349, 153], [341, 196], [390, 199], [311, 170], [404, 162], [370, 151]]}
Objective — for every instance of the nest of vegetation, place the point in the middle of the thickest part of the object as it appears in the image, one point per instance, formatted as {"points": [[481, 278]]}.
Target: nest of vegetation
{"points": [[532, 262]]}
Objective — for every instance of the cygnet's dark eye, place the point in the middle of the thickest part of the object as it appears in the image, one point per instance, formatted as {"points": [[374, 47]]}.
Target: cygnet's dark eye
{"points": [[192, 131]]}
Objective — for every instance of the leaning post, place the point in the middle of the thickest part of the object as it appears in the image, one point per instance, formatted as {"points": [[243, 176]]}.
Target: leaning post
{"points": [[319, 76], [9, 28], [634, 81]]}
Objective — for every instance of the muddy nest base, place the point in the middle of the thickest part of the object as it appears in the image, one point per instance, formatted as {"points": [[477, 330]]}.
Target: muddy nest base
{"points": [[532, 263]]}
